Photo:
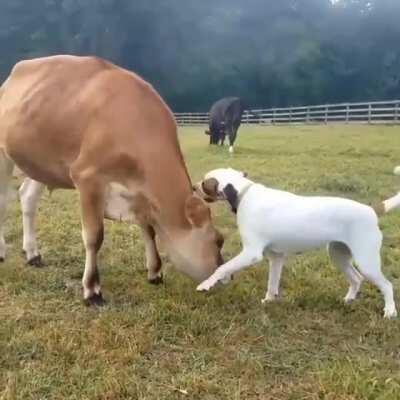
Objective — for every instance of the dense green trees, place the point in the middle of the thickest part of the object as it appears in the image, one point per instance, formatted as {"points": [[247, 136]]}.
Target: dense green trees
{"points": [[269, 52]]}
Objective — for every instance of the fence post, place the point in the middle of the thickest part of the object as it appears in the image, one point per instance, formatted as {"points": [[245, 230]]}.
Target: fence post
{"points": [[326, 114], [308, 115], [247, 117], [290, 115], [347, 113], [369, 112], [396, 112], [273, 116]]}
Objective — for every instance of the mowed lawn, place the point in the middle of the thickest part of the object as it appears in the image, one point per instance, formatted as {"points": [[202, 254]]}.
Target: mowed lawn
{"points": [[170, 342]]}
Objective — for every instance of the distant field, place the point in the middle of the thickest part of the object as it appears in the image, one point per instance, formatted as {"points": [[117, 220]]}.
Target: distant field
{"points": [[170, 342]]}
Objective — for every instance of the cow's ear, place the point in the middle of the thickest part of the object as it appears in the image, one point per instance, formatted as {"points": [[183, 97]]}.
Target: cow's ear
{"points": [[231, 196], [210, 187], [196, 211]]}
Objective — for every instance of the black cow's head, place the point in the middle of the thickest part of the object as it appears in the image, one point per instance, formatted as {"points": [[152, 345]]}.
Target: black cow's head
{"points": [[216, 132]]}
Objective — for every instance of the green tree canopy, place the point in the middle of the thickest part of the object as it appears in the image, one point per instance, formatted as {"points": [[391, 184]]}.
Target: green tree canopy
{"points": [[269, 52]]}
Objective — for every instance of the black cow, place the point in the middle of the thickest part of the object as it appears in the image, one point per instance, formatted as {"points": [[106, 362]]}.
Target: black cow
{"points": [[225, 118]]}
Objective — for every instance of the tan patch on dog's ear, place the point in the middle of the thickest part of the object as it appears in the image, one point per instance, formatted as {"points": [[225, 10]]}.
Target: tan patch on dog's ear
{"points": [[197, 212], [210, 187], [231, 196]]}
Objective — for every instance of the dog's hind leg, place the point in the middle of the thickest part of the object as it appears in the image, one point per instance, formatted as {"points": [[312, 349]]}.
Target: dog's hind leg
{"points": [[341, 256], [276, 262], [366, 254]]}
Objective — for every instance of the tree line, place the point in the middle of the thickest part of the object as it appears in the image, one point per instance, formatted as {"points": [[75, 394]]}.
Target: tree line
{"points": [[271, 53]]}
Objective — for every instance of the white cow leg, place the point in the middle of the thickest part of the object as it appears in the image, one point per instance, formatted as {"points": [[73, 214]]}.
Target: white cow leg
{"points": [[92, 199], [29, 193], [3, 210], [6, 168]]}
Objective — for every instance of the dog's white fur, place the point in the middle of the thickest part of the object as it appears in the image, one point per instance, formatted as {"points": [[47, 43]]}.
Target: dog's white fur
{"points": [[280, 223]]}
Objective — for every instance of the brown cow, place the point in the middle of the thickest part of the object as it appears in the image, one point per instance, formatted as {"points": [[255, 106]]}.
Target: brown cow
{"points": [[84, 123]]}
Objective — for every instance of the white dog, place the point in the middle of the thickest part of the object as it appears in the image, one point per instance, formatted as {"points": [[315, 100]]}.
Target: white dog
{"points": [[281, 223]]}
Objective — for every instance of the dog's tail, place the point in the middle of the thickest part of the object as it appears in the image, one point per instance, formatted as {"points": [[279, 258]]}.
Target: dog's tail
{"points": [[387, 205]]}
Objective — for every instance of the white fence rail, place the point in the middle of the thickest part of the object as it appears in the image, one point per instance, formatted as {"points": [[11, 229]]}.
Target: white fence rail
{"points": [[370, 112]]}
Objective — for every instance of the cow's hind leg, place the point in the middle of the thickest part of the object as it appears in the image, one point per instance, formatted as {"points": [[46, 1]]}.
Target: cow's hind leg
{"points": [[91, 193], [29, 193], [153, 260], [6, 168]]}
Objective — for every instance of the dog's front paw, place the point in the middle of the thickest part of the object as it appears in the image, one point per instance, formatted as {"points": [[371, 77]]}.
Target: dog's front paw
{"points": [[269, 298], [210, 282], [206, 285], [390, 312]]}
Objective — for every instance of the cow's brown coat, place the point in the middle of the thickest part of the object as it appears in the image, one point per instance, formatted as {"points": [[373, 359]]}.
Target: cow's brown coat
{"points": [[84, 123]]}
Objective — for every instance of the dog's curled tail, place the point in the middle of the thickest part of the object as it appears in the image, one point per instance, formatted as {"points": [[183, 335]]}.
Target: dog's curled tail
{"points": [[387, 205]]}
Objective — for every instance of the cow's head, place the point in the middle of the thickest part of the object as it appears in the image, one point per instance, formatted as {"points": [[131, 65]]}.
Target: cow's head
{"points": [[196, 251], [216, 131]]}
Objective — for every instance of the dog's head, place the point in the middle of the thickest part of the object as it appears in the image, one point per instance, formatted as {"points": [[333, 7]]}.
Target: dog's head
{"points": [[221, 184]]}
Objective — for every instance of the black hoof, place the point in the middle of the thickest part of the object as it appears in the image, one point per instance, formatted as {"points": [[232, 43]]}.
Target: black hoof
{"points": [[1, 259], [157, 280], [95, 300], [35, 261]]}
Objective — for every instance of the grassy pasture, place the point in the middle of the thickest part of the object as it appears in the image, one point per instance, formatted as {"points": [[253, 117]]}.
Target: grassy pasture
{"points": [[169, 342]]}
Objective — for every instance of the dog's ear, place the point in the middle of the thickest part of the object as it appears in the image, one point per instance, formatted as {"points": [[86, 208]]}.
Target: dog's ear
{"points": [[231, 196], [210, 188], [245, 174]]}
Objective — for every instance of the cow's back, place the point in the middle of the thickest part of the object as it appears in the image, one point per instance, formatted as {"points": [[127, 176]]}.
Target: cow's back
{"points": [[43, 113], [223, 108], [62, 108]]}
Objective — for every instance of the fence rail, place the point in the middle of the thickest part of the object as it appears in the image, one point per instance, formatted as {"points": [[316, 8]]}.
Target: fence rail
{"points": [[368, 112]]}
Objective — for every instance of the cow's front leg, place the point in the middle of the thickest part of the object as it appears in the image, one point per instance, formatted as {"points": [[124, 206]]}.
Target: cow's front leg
{"points": [[232, 138], [91, 192], [153, 260], [29, 194], [6, 169]]}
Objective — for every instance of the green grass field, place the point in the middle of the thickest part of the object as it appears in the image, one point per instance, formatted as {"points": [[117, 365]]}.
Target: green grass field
{"points": [[170, 342]]}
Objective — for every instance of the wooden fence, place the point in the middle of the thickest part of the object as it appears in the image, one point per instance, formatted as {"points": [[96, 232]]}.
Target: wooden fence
{"points": [[382, 112]]}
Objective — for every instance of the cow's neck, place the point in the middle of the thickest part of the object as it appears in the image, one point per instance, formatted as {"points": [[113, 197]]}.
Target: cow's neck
{"points": [[170, 202]]}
